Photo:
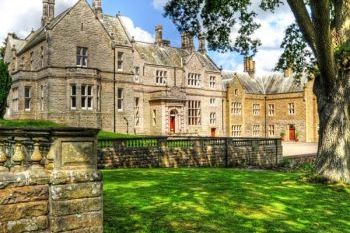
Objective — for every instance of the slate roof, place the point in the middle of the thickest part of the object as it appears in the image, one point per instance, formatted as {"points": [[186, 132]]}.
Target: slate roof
{"points": [[272, 84], [115, 29]]}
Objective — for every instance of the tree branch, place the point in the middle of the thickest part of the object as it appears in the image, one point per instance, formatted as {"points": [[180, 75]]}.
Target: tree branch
{"points": [[305, 24], [323, 40]]}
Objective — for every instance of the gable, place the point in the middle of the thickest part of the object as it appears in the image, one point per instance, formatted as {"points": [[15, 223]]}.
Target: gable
{"points": [[193, 63], [80, 28]]}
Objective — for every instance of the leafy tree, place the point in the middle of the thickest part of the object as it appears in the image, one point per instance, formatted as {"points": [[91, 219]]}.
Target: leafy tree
{"points": [[321, 33], [5, 85]]}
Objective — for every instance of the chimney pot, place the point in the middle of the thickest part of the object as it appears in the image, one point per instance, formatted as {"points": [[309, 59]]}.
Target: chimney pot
{"points": [[187, 42], [97, 7], [202, 44], [48, 12], [159, 35]]}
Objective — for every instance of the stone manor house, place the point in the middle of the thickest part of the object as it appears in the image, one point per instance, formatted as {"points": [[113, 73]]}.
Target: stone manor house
{"points": [[83, 68]]}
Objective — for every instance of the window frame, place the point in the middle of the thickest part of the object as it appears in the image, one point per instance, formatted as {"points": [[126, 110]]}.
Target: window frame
{"points": [[82, 56], [194, 112], [73, 96], [271, 109], [27, 98], [291, 109], [120, 99], [236, 130], [194, 80], [236, 108], [212, 82], [161, 77], [256, 109], [120, 61], [212, 118]]}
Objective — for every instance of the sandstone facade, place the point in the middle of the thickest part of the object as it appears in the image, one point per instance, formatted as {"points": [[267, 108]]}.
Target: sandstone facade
{"points": [[275, 106], [119, 83], [82, 68]]}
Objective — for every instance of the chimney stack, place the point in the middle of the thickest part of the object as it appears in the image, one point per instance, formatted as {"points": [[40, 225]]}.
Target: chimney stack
{"points": [[97, 7], [202, 44], [288, 72], [249, 66], [159, 35], [48, 12], [187, 42]]}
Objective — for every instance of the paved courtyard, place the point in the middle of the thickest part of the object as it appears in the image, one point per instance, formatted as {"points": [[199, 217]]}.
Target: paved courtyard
{"points": [[299, 148]]}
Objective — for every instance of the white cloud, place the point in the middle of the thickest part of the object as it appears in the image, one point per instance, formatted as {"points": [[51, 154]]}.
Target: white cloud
{"points": [[20, 16], [159, 4], [137, 32], [271, 34]]}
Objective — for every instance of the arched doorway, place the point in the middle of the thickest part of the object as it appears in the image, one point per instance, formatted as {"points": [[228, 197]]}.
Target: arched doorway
{"points": [[172, 121], [291, 133]]}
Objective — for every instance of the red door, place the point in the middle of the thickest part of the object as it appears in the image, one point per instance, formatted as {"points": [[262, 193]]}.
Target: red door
{"points": [[291, 133], [213, 132], [172, 124]]}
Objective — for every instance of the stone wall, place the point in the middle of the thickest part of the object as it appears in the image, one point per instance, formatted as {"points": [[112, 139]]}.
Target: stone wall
{"points": [[189, 152], [49, 181]]}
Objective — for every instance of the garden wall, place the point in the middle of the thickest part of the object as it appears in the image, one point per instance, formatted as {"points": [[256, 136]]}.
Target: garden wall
{"points": [[189, 152], [49, 181]]}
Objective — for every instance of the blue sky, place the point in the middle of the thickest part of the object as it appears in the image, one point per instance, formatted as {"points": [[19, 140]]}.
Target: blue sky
{"points": [[141, 16]]}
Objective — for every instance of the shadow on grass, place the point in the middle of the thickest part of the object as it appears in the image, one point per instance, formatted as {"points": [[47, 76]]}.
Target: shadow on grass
{"points": [[220, 200]]}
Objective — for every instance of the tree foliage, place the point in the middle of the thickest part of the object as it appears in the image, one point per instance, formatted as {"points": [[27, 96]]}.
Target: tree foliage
{"points": [[319, 42], [5, 85], [296, 53]]}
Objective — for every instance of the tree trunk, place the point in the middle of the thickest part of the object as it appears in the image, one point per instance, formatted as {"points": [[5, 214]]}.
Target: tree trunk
{"points": [[333, 156]]}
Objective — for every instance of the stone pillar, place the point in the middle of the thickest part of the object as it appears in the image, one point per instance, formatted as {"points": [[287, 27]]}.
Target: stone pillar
{"points": [[49, 181]]}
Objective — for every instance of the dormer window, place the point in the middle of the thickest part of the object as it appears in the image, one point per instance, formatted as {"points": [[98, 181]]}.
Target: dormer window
{"points": [[82, 56]]}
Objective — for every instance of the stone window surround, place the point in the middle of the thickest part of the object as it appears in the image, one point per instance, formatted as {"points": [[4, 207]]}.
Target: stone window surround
{"points": [[137, 111], [42, 96], [236, 108], [236, 130], [82, 57], [256, 130], [271, 130], [291, 109], [87, 97], [212, 81], [256, 109], [27, 98], [120, 61], [271, 108], [212, 118], [15, 99], [194, 112], [78, 96], [154, 117], [120, 99], [194, 80], [161, 77]]}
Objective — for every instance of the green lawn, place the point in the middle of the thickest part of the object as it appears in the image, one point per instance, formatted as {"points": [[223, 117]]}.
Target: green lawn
{"points": [[40, 124], [37, 124], [221, 200]]}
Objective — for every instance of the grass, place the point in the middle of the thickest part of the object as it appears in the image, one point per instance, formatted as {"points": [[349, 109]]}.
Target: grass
{"points": [[41, 124], [37, 124], [221, 200], [111, 135]]}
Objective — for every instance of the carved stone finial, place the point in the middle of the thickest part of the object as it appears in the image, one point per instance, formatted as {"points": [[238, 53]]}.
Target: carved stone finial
{"points": [[3, 158]]}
